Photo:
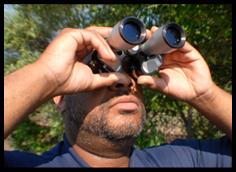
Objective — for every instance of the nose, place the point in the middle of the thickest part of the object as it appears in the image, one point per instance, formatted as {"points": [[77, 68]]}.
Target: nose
{"points": [[124, 86]]}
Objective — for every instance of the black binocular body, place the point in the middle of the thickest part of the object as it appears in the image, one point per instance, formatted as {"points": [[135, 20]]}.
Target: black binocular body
{"points": [[135, 53]]}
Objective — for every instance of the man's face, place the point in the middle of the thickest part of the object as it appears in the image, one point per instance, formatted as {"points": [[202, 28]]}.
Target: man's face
{"points": [[115, 112]]}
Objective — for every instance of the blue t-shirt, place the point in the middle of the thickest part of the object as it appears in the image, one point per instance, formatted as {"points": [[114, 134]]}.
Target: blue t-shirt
{"points": [[179, 153]]}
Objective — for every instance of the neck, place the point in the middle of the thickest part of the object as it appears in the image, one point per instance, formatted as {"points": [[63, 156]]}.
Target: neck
{"points": [[101, 152]]}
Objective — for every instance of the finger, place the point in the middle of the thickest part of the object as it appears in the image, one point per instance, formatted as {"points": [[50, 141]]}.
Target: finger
{"points": [[108, 79], [153, 82], [153, 29], [187, 48], [80, 55], [105, 44], [77, 40], [101, 39], [103, 31], [86, 38], [98, 43], [150, 32]]}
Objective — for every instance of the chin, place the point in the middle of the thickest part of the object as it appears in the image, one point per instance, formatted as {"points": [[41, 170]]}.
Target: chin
{"points": [[125, 124], [115, 123]]}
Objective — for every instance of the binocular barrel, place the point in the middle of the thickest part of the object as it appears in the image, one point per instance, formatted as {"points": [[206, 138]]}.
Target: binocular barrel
{"points": [[165, 40], [127, 33]]}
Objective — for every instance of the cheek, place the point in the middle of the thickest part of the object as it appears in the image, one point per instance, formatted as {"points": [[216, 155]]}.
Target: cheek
{"points": [[95, 117], [89, 101]]}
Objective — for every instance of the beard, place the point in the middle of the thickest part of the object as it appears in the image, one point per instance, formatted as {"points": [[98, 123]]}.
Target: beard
{"points": [[104, 122]]}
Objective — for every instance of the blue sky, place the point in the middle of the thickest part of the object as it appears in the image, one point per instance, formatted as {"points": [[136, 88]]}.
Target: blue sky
{"points": [[8, 8]]}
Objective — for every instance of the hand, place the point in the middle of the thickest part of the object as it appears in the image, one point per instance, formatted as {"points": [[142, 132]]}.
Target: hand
{"points": [[62, 60], [184, 74]]}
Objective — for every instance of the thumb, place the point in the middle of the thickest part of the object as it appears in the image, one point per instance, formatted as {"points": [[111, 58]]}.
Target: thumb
{"points": [[155, 83], [153, 29], [108, 79]]}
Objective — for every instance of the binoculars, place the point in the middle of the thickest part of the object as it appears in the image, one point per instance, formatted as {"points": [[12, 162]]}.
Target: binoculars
{"points": [[135, 54]]}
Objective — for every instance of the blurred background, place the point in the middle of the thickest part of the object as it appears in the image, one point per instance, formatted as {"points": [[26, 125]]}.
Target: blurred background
{"points": [[28, 29]]}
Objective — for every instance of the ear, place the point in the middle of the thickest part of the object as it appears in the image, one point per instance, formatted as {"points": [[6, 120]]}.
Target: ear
{"points": [[57, 100]]}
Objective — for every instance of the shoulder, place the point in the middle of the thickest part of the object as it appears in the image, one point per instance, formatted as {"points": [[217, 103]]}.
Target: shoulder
{"points": [[22, 159], [208, 148], [27, 159], [188, 153]]}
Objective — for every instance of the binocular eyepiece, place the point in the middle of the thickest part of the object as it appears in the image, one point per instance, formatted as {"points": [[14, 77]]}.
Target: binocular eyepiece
{"points": [[135, 53], [165, 40], [127, 33]]}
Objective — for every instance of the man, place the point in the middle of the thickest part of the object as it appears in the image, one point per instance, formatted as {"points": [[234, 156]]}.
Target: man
{"points": [[103, 113]]}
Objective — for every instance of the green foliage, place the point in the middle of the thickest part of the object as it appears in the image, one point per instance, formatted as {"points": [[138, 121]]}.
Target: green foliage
{"points": [[30, 28], [149, 136], [30, 137], [42, 130]]}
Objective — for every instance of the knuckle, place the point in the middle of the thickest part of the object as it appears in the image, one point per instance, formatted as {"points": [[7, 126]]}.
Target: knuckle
{"points": [[94, 33], [112, 78], [66, 30], [69, 31], [92, 28]]}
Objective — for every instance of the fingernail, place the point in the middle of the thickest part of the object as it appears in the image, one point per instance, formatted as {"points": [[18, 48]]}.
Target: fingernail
{"points": [[140, 81], [112, 56]]}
